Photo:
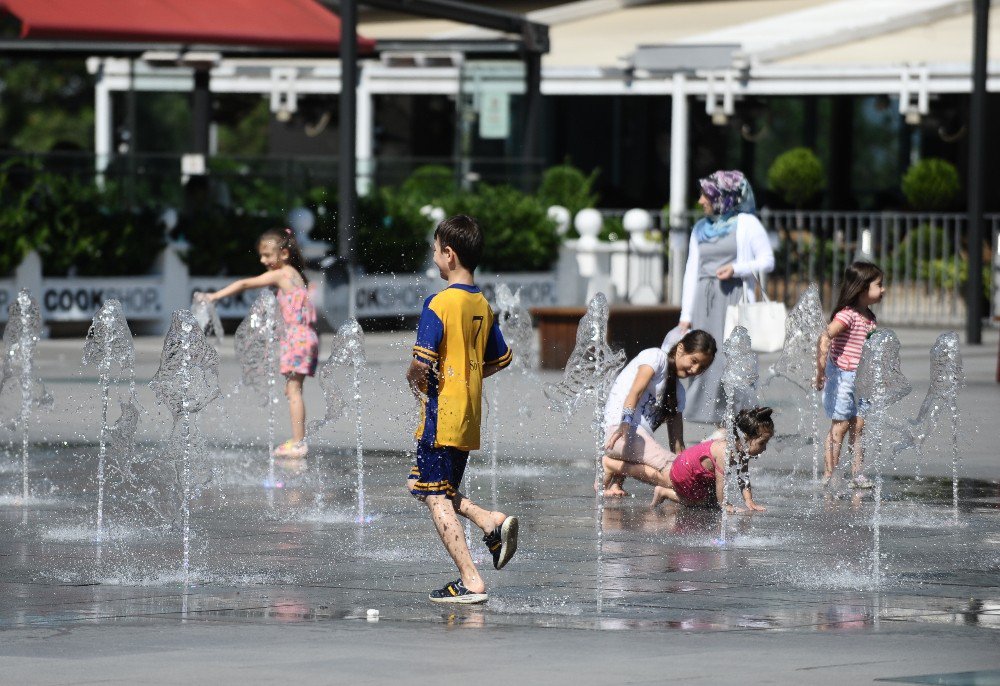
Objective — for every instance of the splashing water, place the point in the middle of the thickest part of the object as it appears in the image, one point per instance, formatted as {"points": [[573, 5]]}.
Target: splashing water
{"points": [[738, 379], [591, 367], [108, 347], [947, 379], [20, 338], [881, 384], [515, 324], [186, 382], [589, 374], [207, 316], [797, 361], [347, 350], [257, 343]]}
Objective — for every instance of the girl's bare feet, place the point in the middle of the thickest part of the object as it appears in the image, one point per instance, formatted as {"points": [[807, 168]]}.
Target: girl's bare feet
{"points": [[615, 491], [612, 490]]}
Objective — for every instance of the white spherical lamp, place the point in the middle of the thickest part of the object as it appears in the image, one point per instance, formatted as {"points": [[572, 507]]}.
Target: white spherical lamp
{"points": [[588, 223], [637, 221], [560, 215]]}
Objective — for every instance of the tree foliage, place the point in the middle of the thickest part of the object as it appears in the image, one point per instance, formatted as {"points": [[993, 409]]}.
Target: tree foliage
{"points": [[931, 185], [797, 175]]}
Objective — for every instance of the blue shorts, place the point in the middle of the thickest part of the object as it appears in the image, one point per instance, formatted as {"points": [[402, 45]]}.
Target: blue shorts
{"points": [[438, 471], [839, 399]]}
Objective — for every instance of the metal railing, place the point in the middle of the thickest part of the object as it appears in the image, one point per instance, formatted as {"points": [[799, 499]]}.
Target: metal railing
{"points": [[924, 256]]}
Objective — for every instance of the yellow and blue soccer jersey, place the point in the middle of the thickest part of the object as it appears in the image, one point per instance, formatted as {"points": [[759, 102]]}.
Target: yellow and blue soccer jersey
{"points": [[457, 335]]}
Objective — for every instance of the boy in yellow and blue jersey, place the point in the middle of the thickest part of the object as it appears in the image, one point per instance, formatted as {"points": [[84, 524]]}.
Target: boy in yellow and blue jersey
{"points": [[458, 345]]}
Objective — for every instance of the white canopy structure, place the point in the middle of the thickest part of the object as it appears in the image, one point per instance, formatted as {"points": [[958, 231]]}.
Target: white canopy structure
{"points": [[718, 51]]}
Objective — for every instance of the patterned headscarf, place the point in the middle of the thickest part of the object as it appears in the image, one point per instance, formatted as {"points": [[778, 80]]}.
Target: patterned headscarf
{"points": [[730, 194]]}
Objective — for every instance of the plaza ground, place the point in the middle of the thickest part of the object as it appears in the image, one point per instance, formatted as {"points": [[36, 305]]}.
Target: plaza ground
{"points": [[282, 579]]}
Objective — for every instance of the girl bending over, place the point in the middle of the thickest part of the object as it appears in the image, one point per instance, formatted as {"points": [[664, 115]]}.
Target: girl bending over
{"points": [[697, 476], [645, 395]]}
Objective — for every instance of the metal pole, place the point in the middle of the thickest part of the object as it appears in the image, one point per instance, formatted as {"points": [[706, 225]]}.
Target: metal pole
{"points": [[977, 141], [532, 115], [346, 190], [133, 134], [201, 111]]}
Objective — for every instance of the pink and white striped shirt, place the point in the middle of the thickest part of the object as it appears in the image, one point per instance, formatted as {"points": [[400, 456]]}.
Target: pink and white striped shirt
{"points": [[845, 351]]}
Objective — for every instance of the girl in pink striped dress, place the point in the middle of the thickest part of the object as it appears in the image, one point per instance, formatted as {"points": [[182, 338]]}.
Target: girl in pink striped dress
{"points": [[838, 355]]}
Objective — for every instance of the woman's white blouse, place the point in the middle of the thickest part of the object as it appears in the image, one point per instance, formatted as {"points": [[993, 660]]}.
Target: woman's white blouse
{"points": [[753, 255]]}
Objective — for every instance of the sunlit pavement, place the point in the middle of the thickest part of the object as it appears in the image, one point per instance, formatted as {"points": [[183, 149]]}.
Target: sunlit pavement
{"points": [[282, 579]]}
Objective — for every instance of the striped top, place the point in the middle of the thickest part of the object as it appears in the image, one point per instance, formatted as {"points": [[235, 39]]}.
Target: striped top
{"points": [[845, 351]]}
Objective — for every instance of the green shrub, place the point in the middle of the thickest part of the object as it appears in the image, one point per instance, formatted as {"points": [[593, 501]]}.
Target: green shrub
{"points": [[518, 234], [19, 215], [797, 260], [223, 243], [73, 224], [797, 175], [566, 185], [950, 273], [931, 185], [249, 191], [431, 184], [913, 255], [391, 233], [613, 229]]}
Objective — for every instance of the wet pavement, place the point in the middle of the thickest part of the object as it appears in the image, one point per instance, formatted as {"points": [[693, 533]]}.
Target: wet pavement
{"points": [[282, 579]]}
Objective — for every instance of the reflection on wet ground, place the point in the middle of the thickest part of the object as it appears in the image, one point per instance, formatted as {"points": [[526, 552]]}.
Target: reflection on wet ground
{"points": [[296, 553]]}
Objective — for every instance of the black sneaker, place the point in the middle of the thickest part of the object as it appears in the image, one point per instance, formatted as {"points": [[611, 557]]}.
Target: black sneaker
{"points": [[456, 592], [502, 542]]}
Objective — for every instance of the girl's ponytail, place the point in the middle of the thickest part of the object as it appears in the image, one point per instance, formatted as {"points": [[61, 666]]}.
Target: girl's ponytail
{"points": [[754, 421]]}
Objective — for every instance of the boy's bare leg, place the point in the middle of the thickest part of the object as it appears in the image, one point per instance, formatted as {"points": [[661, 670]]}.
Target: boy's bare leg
{"points": [[487, 520], [453, 536], [834, 439], [856, 426]]}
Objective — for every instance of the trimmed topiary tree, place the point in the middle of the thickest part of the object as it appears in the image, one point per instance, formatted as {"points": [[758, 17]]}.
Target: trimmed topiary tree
{"points": [[797, 175], [566, 185], [931, 185], [518, 234], [431, 183]]}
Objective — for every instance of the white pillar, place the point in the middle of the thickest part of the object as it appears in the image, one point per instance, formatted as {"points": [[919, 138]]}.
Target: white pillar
{"points": [[678, 186], [678, 152], [103, 124], [364, 135]]}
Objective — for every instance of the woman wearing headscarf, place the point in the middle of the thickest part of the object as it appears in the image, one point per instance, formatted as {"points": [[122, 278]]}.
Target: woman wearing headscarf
{"points": [[728, 245]]}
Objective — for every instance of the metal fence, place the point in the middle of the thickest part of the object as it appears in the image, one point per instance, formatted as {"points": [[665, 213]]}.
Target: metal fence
{"points": [[924, 256]]}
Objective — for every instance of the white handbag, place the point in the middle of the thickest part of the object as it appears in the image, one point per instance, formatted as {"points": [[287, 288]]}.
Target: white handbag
{"points": [[764, 321]]}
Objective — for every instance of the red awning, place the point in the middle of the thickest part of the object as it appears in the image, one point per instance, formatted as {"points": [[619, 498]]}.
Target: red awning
{"points": [[289, 24]]}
